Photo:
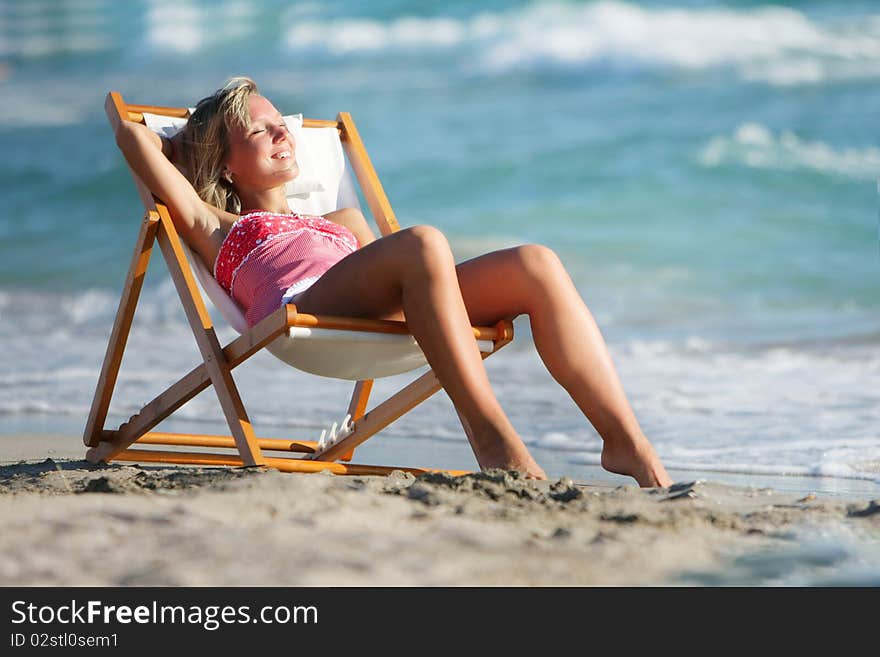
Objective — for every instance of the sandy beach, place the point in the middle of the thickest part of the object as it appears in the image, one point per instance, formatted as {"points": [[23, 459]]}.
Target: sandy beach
{"points": [[69, 523]]}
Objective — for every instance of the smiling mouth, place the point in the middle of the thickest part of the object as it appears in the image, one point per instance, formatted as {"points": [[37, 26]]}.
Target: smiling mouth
{"points": [[282, 155]]}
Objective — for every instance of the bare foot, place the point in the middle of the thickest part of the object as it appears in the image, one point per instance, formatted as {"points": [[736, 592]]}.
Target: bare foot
{"points": [[638, 460], [510, 458]]}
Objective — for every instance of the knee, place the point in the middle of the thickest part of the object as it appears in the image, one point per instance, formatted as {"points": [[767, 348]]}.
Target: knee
{"points": [[538, 263], [426, 244]]}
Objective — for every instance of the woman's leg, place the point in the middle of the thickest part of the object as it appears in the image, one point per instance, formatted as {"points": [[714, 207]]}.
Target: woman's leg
{"points": [[531, 279], [413, 270]]}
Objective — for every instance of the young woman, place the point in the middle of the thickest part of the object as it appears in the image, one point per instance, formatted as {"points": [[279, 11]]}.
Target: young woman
{"points": [[232, 211]]}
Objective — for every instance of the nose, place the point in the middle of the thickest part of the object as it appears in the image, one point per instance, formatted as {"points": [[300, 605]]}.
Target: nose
{"points": [[280, 133]]}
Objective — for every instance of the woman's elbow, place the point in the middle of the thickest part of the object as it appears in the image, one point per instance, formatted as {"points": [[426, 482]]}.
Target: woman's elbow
{"points": [[129, 134], [125, 134]]}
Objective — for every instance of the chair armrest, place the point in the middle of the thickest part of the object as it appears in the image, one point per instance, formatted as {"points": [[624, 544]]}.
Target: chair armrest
{"points": [[502, 331]]}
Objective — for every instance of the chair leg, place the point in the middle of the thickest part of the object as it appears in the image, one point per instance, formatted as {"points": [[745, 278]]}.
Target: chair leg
{"points": [[187, 387], [134, 281], [209, 346], [357, 407]]}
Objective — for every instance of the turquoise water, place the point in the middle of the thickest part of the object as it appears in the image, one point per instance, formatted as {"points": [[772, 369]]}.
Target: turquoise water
{"points": [[707, 172]]}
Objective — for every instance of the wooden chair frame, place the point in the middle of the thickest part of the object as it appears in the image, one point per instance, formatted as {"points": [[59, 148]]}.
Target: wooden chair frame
{"points": [[219, 361]]}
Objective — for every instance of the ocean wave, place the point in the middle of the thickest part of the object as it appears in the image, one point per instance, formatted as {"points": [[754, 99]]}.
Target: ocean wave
{"points": [[776, 45], [833, 470], [186, 28], [35, 30], [852, 458], [38, 29], [32, 106], [756, 146], [770, 44]]}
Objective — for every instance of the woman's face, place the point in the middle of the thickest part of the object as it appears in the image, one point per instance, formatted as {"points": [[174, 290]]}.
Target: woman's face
{"points": [[261, 156]]}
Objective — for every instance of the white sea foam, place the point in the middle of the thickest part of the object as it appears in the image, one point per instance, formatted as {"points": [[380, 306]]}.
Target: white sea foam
{"points": [[361, 35], [756, 146], [33, 30], [772, 44], [177, 27], [186, 29], [839, 471]]}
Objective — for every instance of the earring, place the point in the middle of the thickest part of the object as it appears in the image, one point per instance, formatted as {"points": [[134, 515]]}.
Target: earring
{"points": [[227, 176]]}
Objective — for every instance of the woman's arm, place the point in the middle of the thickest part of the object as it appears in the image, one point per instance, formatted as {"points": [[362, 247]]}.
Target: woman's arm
{"points": [[202, 226], [354, 220]]}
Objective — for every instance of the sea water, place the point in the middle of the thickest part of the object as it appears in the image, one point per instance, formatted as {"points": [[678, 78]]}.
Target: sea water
{"points": [[706, 171]]}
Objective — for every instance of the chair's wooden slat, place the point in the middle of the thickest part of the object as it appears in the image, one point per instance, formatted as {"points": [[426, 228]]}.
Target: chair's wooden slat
{"points": [[321, 123], [357, 406], [208, 440], [359, 398], [369, 181], [116, 109], [377, 325], [504, 333], [175, 112], [136, 114], [257, 337], [282, 464], [134, 281]]}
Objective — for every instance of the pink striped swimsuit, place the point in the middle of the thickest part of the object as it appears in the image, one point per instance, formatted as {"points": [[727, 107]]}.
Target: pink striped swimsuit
{"points": [[268, 258]]}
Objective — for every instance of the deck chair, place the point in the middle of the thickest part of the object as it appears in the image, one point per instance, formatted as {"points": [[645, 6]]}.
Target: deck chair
{"points": [[357, 349]]}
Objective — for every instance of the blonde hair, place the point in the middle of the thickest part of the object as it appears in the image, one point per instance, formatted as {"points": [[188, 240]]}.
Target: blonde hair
{"points": [[205, 141]]}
